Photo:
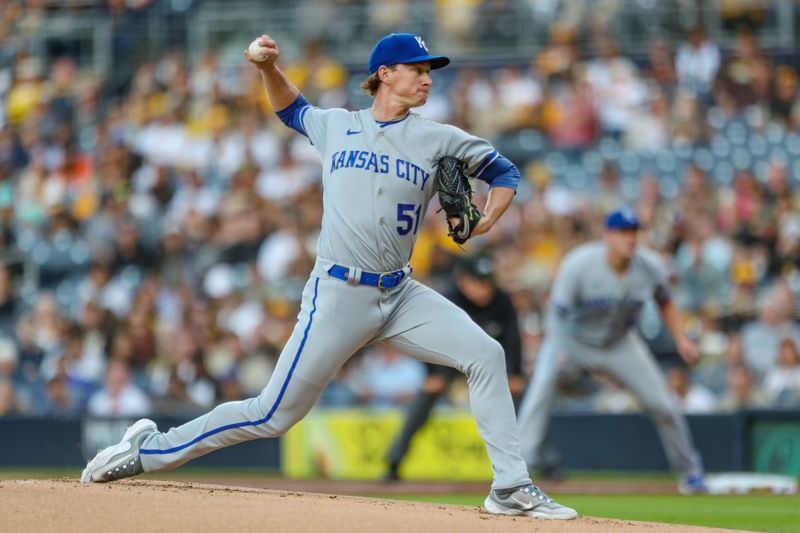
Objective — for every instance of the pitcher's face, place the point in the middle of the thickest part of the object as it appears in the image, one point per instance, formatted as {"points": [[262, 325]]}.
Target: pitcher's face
{"points": [[410, 83]]}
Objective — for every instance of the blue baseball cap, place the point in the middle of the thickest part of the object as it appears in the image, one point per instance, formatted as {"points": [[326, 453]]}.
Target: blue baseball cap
{"points": [[623, 218], [402, 48]]}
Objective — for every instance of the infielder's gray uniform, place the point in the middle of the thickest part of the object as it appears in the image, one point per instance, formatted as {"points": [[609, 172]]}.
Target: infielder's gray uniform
{"points": [[377, 180], [591, 320]]}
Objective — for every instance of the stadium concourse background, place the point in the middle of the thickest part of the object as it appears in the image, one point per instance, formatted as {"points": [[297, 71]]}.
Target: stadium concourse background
{"points": [[157, 222]]}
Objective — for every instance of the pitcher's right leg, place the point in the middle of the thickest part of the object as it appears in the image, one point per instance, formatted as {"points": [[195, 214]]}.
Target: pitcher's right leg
{"points": [[321, 342], [429, 327]]}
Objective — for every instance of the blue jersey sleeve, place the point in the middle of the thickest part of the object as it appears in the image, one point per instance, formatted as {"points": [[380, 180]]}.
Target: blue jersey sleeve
{"points": [[498, 171], [293, 115]]}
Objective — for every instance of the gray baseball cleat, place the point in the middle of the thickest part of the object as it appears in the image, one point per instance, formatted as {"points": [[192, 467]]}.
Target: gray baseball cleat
{"points": [[120, 460], [529, 501]]}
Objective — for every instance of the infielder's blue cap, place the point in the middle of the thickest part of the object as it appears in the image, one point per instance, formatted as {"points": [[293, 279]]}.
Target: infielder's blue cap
{"points": [[402, 48], [623, 218]]}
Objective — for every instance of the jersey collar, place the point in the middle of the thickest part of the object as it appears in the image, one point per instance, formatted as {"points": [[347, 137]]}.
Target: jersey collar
{"points": [[383, 124]]}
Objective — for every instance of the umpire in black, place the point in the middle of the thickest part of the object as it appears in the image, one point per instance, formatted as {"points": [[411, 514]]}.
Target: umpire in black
{"points": [[475, 291]]}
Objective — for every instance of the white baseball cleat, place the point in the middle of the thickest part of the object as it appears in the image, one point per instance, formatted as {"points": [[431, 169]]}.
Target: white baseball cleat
{"points": [[528, 501], [120, 460]]}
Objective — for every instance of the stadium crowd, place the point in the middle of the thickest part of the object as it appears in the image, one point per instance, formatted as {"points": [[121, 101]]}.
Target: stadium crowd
{"points": [[156, 238]]}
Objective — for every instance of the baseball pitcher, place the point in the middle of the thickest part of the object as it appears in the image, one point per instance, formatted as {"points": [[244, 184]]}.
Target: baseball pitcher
{"points": [[594, 305], [378, 178]]}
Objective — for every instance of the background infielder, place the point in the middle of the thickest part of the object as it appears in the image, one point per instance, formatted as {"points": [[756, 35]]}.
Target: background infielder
{"points": [[594, 304], [377, 166]]}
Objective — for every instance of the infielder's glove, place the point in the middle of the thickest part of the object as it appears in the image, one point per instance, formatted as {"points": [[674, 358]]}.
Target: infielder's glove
{"points": [[455, 197]]}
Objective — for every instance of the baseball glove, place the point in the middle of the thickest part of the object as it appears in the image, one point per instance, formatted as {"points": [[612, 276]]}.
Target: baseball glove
{"points": [[455, 197]]}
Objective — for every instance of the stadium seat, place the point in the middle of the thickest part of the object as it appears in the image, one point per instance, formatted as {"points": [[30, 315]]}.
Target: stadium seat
{"points": [[741, 158], [720, 146], [722, 172], [775, 133], [592, 162], [757, 144], [630, 162], [704, 159]]}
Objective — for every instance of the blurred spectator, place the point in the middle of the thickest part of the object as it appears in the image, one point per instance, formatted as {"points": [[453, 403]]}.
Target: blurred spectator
{"points": [[519, 96], [612, 397], [389, 377], [784, 105], [702, 264], [286, 180], [785, 258], [692, 398], [661, 69], [686, 122], [616, 87], [649, 131], [161, 196], [556, 59], [176, 400], [782, 382], [119, 397], [179, 379], [8, 403], [60, 399], [739, 72], [319, 77], [569, 115], [741, 392], [761, 338], [82, 364], [697, 63], [340, 391], [742, 13]]}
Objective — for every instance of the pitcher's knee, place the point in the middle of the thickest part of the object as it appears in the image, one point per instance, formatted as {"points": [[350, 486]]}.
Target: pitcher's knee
{"points": [[275, 423], [487, 355], [277, 416]]}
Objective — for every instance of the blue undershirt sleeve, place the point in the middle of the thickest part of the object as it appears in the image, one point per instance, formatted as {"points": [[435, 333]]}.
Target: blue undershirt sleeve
{"points": [[292, 115], [498, 171]]}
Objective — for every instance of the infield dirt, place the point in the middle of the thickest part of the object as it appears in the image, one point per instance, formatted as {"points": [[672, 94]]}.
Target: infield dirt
{"points": [[144, 505]]}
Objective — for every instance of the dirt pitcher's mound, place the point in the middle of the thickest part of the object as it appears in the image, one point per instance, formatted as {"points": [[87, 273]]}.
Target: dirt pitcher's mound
{"points": [[136, 506]]}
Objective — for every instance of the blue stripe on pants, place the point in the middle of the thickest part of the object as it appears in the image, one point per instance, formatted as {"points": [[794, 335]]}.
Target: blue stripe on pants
{"points": [[274, 406]]}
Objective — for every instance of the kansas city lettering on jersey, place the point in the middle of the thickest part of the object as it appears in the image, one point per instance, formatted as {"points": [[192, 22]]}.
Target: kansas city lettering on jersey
{"points": [[609, 303], [380, 164]]}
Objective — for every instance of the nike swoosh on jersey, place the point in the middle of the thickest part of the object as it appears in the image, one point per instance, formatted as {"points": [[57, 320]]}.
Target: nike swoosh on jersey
{"points": [[352, 132]]}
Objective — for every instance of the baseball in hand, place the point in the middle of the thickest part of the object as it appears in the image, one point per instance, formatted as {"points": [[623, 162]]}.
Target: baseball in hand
{"points": [[255, 52]]}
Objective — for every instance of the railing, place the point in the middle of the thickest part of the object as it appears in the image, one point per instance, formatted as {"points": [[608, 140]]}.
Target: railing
{"points": [[478, 31]]}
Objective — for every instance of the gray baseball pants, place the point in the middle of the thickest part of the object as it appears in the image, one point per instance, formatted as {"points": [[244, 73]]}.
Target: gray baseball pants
{"points": [[628, 361], [336, 319]]}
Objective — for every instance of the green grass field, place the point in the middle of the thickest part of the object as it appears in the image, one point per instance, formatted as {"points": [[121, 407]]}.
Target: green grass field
{"points": [[778, 514]]}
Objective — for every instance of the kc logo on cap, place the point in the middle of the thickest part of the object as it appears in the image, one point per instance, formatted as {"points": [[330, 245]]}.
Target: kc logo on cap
{"points": [[623, 218], [398, 48]]}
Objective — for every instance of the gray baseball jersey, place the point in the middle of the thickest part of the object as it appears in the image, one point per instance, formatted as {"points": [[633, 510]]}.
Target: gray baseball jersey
{"points": [[596, 305], [377, 180], [591, 322]]}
